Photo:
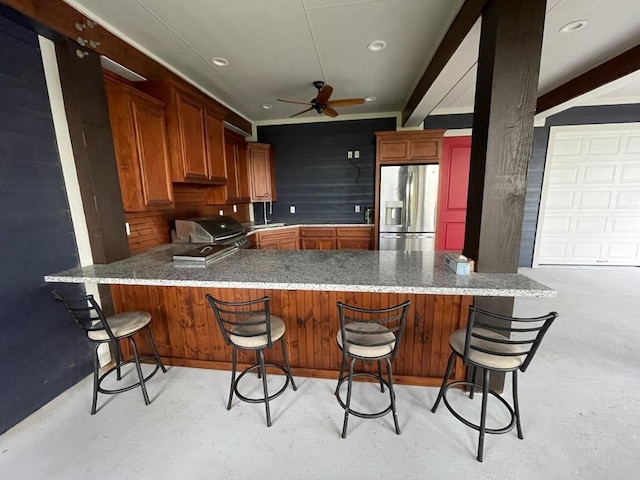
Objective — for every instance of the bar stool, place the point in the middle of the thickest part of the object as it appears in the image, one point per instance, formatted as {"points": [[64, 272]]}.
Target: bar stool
{"points": [[370, 335], [89, 317], [493, 343], [249, 326]]}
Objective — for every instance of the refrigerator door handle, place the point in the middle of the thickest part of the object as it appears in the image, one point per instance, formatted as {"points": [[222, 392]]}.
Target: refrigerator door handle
{"points": [[408, 198]]}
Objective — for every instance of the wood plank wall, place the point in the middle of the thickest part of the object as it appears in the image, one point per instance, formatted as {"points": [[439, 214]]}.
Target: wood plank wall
{"points": [[314, 174], [152, 229], [186, 332]]}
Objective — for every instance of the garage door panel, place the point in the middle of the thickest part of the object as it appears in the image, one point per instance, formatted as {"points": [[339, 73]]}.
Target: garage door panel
{"points": [[590, 209], [568, 146], [599, 174], [596, 225], [565, 175], [593, 200], [630, 174], [633, 144], [620, 251], [629, 225], [628, 200], [599, 145]]}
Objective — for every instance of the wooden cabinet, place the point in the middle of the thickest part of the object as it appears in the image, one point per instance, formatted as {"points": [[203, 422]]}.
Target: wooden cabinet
{"points": [[140, 141], [285, 239], [262, 177], [354, 238], [317, 238], [409, 147], [236, 189], [195, 132]]}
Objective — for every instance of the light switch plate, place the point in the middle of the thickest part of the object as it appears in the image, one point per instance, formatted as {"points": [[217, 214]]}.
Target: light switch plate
{"points": [[357, 209], [292, 209]]}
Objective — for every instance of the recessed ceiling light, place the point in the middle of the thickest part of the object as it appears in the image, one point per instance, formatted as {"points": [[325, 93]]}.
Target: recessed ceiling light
{"points": [[370, 99], [377, 45], [266, 106], [574, 26], [220, 61]]}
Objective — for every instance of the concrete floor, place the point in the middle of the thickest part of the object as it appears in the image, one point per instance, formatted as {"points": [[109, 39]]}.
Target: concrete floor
{"points": [[580, 403]]}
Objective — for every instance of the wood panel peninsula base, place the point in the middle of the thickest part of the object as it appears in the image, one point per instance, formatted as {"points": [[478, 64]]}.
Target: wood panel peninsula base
{"points": [[186, 332], [304, 287]]}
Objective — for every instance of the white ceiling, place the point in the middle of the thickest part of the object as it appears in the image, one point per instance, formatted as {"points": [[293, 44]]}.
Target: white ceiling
{"points": [[277, 48]]}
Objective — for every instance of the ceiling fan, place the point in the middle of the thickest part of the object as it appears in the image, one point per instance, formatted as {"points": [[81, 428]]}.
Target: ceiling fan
{"points": [[322, 104]]}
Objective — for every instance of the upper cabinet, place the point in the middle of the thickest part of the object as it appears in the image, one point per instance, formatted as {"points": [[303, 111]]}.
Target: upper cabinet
{"points": [[140, 141], [262, 177], [196, 135], [421, 146], [236, 189]]}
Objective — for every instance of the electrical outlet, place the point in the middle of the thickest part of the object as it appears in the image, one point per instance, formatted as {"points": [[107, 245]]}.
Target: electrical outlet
{"points": [[127, 228], [221, 212], [357, 209], [235, 209], [356, 154], [292, 209], [349, 154]]}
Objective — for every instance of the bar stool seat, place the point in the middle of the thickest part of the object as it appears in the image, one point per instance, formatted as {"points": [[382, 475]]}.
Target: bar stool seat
{"points": [[369, 335], [250, 326], [493, 342], [101, 329]]}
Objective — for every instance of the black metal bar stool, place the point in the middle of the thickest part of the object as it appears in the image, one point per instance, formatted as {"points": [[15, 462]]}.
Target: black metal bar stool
{"points": [[493, 343], [370, 335], [249, 326], [88, 316]]}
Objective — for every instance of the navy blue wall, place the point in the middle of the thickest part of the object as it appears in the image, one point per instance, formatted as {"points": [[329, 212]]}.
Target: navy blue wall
{"points": [[41, 351], [314, 174]]}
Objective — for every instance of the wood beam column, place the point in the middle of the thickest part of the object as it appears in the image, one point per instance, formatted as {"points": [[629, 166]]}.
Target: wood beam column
{"points": [[505, 104], [92, 143]]}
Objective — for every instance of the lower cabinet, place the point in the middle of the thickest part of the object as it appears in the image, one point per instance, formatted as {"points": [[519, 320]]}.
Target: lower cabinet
{"points": [[316, 238], [284, 239], [336, 238], [354, 238]]}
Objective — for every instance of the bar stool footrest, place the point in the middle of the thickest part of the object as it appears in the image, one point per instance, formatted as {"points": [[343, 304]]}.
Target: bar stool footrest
{"points": [[504, 429], [261, 399], [378, 379], [128, 387]]}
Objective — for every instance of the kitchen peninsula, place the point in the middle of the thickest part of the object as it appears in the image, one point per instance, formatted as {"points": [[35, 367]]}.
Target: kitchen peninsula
{"points": [[303, 287]]}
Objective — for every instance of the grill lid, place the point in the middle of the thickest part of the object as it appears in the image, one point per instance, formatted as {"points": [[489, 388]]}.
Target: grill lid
{"points": [[221, 229]]}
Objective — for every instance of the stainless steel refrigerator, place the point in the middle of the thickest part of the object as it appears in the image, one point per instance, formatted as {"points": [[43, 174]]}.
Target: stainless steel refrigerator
{"points": [[408, 202]]}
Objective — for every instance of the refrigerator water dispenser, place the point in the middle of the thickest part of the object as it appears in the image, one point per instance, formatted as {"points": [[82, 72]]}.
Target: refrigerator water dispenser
{"points": [[393, 213]]}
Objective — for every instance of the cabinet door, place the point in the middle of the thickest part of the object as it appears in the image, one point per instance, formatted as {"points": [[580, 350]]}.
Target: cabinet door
{"points": [[242, 173], [195, 164], [353, 244], [151, 146], [393, 150], [425, 149], [309, 244], [215, 147], [140, 144], [260, 171], [290, 244]]}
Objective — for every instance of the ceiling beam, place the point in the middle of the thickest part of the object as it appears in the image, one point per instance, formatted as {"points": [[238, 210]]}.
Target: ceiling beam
{"points": [[469, 13], [614, 69], [60, 18]]}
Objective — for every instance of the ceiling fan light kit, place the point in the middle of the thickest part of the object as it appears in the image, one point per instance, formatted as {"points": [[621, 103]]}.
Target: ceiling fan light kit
{"points": [[322, 104]]}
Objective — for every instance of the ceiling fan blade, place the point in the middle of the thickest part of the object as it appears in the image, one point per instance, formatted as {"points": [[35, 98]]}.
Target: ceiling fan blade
{"points": [[346, 102], [300, 113], [324, 94], [292, 101], [330, 111]]}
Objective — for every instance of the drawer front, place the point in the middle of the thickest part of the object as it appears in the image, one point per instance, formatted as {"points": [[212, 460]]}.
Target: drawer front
{"points": [[317, 232]]}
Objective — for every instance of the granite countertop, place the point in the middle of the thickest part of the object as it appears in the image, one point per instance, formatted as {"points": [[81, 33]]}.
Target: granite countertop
{"points": [[254, 228], [330, 270]]}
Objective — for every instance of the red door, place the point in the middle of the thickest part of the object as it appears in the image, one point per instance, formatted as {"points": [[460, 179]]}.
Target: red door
{"points": [[454, 184]]}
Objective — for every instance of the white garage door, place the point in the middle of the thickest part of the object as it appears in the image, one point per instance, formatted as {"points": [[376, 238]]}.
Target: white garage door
{"points": [[590, 208]]}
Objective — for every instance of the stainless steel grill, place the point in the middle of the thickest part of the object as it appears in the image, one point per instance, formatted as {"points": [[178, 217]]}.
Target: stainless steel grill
{"points": [[221, 230]]}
